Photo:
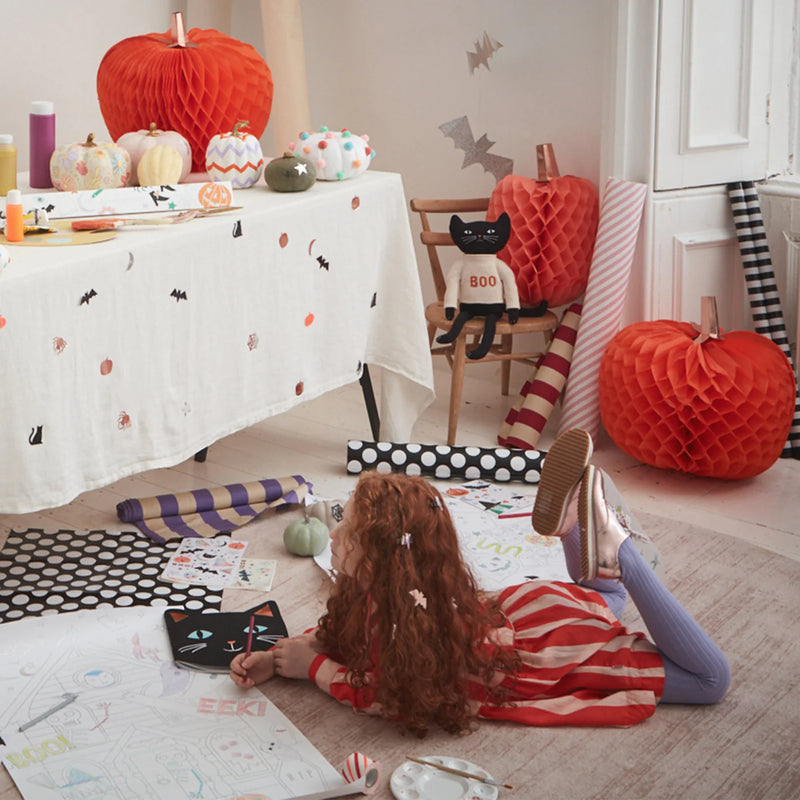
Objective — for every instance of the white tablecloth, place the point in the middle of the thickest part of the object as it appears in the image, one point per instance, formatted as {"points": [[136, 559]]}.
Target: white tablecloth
{"points": [[207, 327]]}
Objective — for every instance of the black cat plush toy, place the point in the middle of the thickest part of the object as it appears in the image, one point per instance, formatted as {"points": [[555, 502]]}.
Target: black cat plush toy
{"points": [[482, 284]]}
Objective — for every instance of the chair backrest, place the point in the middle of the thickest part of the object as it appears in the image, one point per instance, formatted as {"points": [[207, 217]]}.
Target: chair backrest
{"points": [[433, 239]]}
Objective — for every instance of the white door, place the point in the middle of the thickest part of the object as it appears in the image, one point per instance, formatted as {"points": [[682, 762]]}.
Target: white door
{"points": [[713, 93]]}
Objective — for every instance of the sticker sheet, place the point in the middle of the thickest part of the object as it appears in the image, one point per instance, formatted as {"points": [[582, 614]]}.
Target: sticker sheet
{"points": [[255, 573], [206, 562]]}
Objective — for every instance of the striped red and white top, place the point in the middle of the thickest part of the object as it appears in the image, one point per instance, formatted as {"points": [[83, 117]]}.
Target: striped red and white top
{"points": [[578, 664]]}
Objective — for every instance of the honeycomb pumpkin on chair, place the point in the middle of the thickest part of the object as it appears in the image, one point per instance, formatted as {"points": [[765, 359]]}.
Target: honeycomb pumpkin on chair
{"points": [[553, 227]]}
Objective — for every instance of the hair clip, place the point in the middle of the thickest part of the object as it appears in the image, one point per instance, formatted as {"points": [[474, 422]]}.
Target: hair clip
{"points": [[419, 598], [435, 504], [405, 540]]}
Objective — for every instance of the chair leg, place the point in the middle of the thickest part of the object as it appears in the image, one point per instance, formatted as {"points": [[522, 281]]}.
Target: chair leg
{"points": [[456, 386], [431, 333], [506, 343]]}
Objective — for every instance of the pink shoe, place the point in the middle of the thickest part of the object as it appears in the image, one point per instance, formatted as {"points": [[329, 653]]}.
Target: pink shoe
{"points": [[555, 508], [603, 528]]}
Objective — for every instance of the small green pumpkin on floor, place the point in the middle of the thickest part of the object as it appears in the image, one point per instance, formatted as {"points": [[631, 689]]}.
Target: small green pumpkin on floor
{"points": [[306, 537]]}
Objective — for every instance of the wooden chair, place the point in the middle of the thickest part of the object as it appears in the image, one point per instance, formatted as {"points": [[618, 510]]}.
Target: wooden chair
{"points": [[455, 352]]}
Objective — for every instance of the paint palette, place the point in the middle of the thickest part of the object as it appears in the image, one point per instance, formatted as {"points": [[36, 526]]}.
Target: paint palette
{"points": [[415, 781]]}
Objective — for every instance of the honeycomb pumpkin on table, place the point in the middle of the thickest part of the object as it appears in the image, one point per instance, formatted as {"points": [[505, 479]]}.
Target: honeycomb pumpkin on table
{"points": [[197, 84]]}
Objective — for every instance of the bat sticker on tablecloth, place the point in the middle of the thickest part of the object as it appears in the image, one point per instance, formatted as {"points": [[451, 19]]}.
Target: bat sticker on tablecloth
{"points": [[484, 49], [476, 152], [87, 296]]}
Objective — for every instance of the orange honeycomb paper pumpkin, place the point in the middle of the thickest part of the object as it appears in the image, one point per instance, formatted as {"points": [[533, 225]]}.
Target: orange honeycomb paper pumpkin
{"points": [[714, 405], [197, 84], [553, 228]]}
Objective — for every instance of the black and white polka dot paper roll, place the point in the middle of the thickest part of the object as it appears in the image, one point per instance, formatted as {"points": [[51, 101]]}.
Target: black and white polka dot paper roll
{"points": [[497, 464]]}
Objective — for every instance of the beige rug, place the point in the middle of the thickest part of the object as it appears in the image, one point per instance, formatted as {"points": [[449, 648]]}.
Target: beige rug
{"points": [[745, 747]]}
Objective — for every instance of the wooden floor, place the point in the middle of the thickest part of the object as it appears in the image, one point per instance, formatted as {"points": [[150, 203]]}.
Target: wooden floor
{"points": [[311, 440]]}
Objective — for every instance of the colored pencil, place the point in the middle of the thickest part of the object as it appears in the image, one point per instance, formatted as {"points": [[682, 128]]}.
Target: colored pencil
{"points": [[481, 778], [515, 514], [250, 636]]}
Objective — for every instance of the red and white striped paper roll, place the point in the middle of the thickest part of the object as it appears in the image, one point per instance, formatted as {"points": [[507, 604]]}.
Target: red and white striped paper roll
{"points": [[526, 420], [618, 229]]}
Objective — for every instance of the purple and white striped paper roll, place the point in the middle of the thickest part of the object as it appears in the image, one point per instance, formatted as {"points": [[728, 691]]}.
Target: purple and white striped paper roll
{"points": [[205, 512]]}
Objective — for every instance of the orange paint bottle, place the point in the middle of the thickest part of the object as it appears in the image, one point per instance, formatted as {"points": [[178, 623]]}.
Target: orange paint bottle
{"points": [[14, 223]]}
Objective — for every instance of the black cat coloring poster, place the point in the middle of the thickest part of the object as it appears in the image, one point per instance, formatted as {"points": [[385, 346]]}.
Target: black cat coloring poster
{"points": [[209, 642]]}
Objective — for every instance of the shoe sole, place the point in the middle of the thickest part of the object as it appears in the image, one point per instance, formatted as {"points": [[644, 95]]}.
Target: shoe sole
{"points": [[586, 523], [564, 467]]}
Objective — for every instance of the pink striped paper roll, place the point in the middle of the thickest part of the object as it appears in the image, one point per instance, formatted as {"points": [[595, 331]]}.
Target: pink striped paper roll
{"points": [[620, 217], [525, 422]]}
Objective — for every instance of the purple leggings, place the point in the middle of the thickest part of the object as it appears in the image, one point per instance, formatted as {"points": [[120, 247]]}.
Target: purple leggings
{"points": [[696, 670]]}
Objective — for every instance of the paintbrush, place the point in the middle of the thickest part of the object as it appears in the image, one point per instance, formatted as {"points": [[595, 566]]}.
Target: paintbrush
{"points": [[250, 636], [481, 778]]}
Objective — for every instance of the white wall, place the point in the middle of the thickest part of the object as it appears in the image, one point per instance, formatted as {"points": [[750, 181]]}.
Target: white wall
{"points": [[394, 70]]}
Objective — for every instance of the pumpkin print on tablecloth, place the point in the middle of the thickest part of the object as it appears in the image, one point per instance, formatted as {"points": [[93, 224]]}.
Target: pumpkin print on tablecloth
{"points": [[197, 84], [717, 405], [553, 228]]}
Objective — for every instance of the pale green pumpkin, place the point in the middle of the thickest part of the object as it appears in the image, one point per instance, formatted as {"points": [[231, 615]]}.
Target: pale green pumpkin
{"points": [[306, 537]]}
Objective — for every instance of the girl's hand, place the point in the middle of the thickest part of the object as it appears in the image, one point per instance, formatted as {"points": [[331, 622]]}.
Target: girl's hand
{"points": [[293, 656], [247, 671]]}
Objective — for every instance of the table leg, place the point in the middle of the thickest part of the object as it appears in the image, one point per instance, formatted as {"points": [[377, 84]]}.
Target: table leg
{"points": [[200, 455], [372, 406]]}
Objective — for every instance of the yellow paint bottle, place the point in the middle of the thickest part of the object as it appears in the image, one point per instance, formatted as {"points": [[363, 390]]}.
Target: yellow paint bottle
{"points": [[8, 164]]}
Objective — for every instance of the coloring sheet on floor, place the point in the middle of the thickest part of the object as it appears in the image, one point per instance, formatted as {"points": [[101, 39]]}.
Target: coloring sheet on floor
{"points": [[92, 706], [502, 550], [493, 522]]}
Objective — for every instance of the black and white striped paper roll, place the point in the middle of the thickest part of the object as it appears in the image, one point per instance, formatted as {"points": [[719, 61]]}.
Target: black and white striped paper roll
{"points": [[498, 464], [762, 289]]}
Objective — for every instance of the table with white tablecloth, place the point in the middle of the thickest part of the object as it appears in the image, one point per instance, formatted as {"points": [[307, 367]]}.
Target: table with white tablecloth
{"points": [[134, 353]]}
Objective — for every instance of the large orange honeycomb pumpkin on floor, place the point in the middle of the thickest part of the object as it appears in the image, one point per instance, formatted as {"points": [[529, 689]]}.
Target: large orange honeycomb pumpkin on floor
{"points": [[553, 228], [198, 84], [717, 405]]}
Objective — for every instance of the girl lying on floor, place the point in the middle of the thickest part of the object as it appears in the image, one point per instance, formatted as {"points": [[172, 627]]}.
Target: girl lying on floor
{"points": [[408, 635]]}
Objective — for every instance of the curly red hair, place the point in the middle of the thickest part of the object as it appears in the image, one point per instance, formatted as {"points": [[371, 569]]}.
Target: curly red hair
{"points": [[422, 656]]}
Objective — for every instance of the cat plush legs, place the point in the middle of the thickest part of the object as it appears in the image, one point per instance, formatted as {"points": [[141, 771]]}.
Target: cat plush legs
{"points": [[458, 323], [491, 311], [486, 340]]}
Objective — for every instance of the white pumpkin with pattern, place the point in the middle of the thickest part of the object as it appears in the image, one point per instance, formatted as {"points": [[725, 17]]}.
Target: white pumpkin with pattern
{"points": [[235, 157]]}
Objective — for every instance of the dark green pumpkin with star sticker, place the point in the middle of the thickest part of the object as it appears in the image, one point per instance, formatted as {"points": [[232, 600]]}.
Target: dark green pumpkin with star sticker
{"points": [[290, 173]]}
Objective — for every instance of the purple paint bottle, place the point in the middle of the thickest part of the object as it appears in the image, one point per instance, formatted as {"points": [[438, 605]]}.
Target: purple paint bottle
{"points": [[42, 143]]}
